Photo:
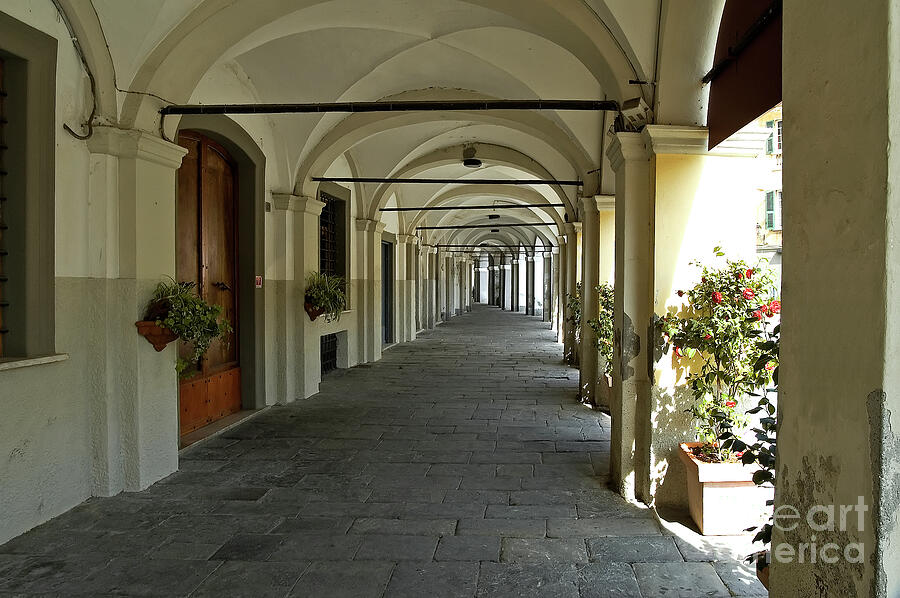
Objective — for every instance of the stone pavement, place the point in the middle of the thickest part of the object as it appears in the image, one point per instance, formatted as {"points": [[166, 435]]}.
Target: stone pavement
{"points": [[459, 465]]}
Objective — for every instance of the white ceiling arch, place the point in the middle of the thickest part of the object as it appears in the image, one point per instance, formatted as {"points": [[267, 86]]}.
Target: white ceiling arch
{"points": [[357, 127], [478, 194], [489, 154], [208, 33]]}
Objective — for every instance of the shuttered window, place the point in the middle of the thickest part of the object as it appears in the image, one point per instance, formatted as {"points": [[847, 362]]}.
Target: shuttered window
{"points": [[328, 242], [3, 222]]}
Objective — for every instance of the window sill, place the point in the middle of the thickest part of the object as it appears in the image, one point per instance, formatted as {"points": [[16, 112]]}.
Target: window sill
{"points": [[24, 362]]}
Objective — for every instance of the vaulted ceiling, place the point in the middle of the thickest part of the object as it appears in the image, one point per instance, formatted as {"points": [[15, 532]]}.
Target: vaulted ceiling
{"points": [[221, 51]]}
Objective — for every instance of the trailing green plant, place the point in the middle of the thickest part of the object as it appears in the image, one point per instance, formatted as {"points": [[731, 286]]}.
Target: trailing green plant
{"points": [[327, 293], [717, 336], [178, 307], [763, 450], [603, 326], [573, 304]]}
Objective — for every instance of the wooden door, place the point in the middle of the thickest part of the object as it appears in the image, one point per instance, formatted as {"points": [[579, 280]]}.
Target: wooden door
{"points": [[206, 237]]}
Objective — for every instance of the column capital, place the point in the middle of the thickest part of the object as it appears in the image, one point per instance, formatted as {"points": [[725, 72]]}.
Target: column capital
{"points": [[627, 147], [676, 139], [598, 203], [371, 226], [297, 203], [130, 143], [410, 239]]}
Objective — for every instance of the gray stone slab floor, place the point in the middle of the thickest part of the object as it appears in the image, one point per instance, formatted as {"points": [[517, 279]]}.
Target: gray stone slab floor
{"points": [[461, 464]]}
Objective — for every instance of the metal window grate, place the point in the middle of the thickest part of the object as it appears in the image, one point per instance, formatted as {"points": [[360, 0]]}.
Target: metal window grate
{"points": [[3, 224], [329, 353], [328, 249]]}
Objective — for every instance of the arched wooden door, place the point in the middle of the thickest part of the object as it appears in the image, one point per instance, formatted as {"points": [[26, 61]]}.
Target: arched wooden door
{"points": [[206, 238]]}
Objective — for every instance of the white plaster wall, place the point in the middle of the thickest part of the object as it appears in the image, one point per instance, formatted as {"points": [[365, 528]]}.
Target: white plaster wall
{"points": [[700, 202], [45, 435]]}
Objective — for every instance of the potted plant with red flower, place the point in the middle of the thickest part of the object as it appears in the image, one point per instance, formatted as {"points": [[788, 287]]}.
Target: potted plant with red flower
{"points": [[715, 338]]}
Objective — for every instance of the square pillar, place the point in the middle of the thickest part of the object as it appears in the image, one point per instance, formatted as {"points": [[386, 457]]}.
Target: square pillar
{"points": [[529, 285], [407, 266], [588, 366], [630, 159], [430, 286], [305, 349], [839, 381], [548, 289], [515, 284], [368, 305], [559, 259], [573, 234], [135, 413]]}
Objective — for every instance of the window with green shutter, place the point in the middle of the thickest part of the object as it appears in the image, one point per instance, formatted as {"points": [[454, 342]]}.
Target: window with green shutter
{"points": [[770, 142], [770, 210]]}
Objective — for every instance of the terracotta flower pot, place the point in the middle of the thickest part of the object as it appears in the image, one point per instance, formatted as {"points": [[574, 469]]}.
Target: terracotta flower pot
{"points": [[158, 336], [722, 497], [313, 311]]}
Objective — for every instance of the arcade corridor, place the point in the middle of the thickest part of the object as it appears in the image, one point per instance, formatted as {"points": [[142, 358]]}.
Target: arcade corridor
{"points": [[461, 464]]}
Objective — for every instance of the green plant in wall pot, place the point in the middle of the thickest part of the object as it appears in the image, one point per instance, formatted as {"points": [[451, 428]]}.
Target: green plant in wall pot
{"points": [[325, 295], [604, 326], [176, 311]]}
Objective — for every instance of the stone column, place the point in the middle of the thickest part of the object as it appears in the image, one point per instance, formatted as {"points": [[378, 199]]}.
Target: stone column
{"points": [[560, 307], [502, 269], [448, 287], [135, 414], [547, 312], [428, 290], [407, 265], [368, 252], [515, 285], [572, 268], [556, 274], [306, 349], [630, 159], [839, 408], [529, 284], [590, 271]]}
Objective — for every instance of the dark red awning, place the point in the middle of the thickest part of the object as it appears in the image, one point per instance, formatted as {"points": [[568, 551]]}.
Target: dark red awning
{"points": [[746, 77]]}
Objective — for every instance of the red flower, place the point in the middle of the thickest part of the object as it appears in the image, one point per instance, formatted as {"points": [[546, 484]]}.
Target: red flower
{"points": [[739, 454], [678, 352], [740, 275], [748, 294], [679, 293], [730, 403], [717, 297], [707, 336], [758, 314], [749, 273], [775, 307], [770, 366]]}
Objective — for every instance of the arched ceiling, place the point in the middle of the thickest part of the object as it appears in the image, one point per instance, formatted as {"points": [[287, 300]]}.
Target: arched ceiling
{"points": [[293, 51]]}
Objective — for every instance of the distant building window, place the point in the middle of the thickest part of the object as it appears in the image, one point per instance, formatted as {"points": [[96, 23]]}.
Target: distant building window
{"points": [[773, 143], [773, 210]]}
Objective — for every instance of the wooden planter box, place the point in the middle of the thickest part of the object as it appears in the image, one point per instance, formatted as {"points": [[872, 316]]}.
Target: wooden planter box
{"points": [[723, 499]]}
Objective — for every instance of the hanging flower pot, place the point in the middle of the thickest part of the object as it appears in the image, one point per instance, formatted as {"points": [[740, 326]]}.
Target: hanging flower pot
{"points": [[156, 335], [313, 311], [325, 295]]}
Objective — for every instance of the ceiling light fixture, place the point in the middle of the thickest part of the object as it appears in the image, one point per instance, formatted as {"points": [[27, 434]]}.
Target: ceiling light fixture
{"points": [[469, 159]]}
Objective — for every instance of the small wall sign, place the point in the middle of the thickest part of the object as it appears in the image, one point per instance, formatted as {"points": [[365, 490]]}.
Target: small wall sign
{"points": [[259, 282]]}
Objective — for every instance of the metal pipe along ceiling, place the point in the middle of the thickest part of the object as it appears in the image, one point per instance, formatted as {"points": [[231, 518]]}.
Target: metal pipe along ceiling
{"points": [[404, 106]]}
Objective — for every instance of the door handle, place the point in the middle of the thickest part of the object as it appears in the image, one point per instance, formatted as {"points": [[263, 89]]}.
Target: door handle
{"points": [[221, 286]]}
